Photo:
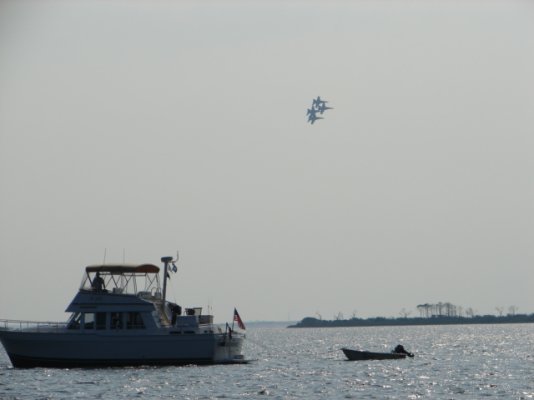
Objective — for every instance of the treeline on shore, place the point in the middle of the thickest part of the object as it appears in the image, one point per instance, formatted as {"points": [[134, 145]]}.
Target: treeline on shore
{"points": [[311, 322], [441, 313]]}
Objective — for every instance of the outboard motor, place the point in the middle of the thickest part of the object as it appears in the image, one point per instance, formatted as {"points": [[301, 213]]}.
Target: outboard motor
{"points": [[401, 350]]}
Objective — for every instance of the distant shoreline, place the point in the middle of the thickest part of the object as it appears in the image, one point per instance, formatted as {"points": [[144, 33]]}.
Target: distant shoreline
{"points": [[311, 322]]}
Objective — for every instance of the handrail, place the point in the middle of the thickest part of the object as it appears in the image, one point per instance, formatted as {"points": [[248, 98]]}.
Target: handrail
{"points": [[19, 325]]}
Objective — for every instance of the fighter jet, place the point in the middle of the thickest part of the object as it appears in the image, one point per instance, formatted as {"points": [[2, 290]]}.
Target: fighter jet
{"points": [[318, 103], [318, 106], [322, 108], [312, 117]]}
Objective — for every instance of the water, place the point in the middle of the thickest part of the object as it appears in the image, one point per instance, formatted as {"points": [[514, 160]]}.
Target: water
{"points": [[451, 362]]}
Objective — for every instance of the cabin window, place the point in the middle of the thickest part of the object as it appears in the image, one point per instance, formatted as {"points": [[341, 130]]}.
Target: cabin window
{"points": [[116, 320], [134, 321], [93, 320], [89, 321], [75, 321]]}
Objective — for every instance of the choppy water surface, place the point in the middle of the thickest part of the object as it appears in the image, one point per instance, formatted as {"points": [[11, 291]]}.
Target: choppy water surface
{"points": [[451, 362]]}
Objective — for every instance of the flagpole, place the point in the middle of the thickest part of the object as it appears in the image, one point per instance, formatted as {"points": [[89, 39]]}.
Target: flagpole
{"points": [[233, 320]]}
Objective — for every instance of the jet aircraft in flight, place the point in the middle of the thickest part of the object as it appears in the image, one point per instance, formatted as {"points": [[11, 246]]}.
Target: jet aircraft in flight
{"points": [[318, 106], [317, 102], [312, 117], [322, 108]]}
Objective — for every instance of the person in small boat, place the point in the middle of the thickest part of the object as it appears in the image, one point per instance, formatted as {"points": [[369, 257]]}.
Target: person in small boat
{"points": [[98, 283], [401, 350]]}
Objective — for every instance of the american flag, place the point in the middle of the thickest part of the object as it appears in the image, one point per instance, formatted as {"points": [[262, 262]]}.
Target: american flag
{"points": [[237, 319]]}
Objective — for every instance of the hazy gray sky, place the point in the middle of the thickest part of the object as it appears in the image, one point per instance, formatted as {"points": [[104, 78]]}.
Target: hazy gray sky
{"points": [[146, 127]]}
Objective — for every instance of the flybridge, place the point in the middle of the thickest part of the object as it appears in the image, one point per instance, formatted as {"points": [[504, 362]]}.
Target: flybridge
{"points": [[138, 279]]}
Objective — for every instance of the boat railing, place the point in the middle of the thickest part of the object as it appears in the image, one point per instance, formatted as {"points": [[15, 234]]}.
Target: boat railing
{"points": [[33, 326]]}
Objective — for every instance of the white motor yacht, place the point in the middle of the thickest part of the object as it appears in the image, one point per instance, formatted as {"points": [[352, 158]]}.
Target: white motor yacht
{"points": [[120, 317]]}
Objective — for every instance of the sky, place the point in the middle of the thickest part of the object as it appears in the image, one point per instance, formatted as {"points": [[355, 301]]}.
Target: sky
{"points": [[130, 130]]}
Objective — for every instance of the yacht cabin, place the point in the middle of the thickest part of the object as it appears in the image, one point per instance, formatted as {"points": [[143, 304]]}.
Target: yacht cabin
{"points": [[129, 298]]}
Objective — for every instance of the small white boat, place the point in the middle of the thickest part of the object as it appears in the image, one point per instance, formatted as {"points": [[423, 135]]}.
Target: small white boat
{"points": [[120, 317]]}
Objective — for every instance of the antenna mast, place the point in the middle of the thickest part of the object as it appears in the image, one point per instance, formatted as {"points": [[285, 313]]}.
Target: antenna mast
{"points": [[166, 261]]}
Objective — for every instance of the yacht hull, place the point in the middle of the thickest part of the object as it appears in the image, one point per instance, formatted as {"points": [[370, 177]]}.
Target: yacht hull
{"points": [[72, 350]]}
